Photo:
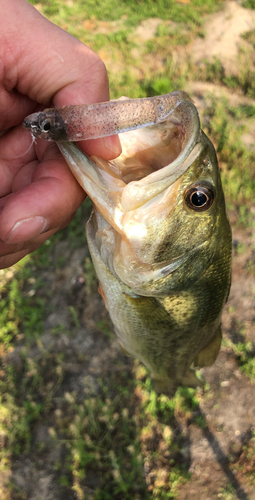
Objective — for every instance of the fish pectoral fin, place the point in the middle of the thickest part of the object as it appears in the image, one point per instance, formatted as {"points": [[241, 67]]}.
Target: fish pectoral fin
{"points": [[124, 350], [132, 296], [207, 356]]}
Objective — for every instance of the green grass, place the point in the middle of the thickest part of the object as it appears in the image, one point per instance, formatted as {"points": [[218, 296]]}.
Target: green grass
{"points": [[213, 71], [28, 382], [111, 434], [125, 426], [20, 313], [244, 462], [131, 11], [115, 432], [120, 431], [250, 4], [250, 37], [223, 124], [245, 354]]}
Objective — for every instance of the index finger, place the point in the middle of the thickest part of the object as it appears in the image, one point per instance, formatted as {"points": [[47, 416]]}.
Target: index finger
{"points": [[49, 66]]}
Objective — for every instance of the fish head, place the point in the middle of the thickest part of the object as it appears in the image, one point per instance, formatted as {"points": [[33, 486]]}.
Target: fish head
{"points": [[174, 234], [161, 200]]}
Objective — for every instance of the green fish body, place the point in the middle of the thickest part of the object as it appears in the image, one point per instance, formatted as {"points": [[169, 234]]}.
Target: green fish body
{"points": [[160, 242]]}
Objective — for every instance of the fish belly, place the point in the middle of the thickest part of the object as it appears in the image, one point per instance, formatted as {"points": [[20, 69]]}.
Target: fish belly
{"points": [[147, 331]]}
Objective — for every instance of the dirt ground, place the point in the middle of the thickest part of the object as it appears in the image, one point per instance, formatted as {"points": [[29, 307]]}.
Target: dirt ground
{"points": [[224, 35], [215, 454]]}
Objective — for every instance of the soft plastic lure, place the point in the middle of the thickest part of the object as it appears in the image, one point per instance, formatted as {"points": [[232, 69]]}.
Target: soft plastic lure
{"points": [[76, 123]]}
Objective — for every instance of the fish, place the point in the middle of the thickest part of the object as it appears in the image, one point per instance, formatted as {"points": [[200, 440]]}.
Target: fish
{"points": [[159, 236]]}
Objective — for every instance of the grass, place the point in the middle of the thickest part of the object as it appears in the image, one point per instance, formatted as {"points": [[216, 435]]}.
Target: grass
{"points": [[18, 308], [250, 4], [244, 81], [112, 430], [28, 381], [117, 432], [222, 123], [131, 12], [245, 353], [243, 462]]}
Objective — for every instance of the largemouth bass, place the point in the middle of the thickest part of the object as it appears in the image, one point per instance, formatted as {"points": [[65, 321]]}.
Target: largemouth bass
{"points": [[158, 236]]}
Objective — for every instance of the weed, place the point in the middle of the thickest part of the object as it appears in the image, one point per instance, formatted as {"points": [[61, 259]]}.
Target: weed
{"points": [[116, 433], [245, 353], [59, 330], [74, 316], [250, 37], [89, 276], [125, 435], [105, 326], [213, 70], [246, 460], [131, 12], [234, 159], [227, 493], [250, 4], [170, 34], [241, 248]]}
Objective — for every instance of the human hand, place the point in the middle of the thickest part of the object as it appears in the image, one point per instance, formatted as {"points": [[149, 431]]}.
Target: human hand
{"points": [[40, 66]]}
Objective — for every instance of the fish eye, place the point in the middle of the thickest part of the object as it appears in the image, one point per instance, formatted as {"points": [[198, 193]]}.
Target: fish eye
{"points": [[45, 126], [199, 198]]}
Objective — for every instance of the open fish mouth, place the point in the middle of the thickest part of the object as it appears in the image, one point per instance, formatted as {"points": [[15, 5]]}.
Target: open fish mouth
{"points": [[137, 193], [157, 134], [153, 158]]}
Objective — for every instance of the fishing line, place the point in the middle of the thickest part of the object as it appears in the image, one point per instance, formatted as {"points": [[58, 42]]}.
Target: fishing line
{"points": [[22, 154]]}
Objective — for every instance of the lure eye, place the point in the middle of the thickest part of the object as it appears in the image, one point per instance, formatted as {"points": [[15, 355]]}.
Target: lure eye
{"points": [[45, 126], [199, 198]]}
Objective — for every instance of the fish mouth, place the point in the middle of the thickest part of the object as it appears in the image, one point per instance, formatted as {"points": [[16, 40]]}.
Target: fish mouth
{"points": [[146, 151], [154, 157]]}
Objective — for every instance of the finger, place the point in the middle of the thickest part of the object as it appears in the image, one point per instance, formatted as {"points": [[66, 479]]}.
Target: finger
{"points": [[24, 176], [13, 107], [60, 69], [45, 204], [10, 260], [16, 150], [107, 147], [10, 254], [11, 249]]}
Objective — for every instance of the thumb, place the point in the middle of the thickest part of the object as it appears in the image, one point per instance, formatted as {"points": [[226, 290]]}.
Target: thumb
{"points": [[49, 66]]}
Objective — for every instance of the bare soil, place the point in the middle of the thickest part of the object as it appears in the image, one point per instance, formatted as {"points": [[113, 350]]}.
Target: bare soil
{"points": [[215, 454], [223, 37]]}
